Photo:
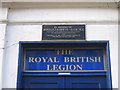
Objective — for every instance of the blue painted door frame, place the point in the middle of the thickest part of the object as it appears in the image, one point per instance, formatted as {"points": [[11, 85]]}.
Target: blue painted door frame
{"points": [[23, 45]]}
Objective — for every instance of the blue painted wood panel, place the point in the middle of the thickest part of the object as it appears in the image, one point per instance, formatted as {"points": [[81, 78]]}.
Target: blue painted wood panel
{"points": [[65, 82], [86, 82], [43, 82]]}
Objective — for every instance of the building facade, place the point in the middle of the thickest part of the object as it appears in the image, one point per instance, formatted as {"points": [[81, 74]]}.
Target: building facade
{"points": [[23, 21]]}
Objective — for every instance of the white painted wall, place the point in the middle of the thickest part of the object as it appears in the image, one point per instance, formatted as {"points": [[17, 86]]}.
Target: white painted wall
{"points": [[2, 38], [25, 25], [104, 15], [3, 17], [3, 14]]}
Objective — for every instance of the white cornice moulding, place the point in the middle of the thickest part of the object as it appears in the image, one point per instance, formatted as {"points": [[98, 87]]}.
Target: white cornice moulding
{"points": [[60, 0], [32, 22], [60, 4]]}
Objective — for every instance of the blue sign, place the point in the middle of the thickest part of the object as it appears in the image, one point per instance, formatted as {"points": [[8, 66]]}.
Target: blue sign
{"points": [[63, 32], [64, 60]]}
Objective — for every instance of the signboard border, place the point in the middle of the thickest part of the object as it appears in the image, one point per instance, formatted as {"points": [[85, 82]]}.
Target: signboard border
{"points": [[104, 58]]}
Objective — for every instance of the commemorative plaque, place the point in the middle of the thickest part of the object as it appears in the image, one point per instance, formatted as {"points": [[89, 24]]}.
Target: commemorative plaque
{"points": [[63, 32]]}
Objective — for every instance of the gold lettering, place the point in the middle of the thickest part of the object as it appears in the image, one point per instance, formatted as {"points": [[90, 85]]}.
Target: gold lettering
{"points": [[58, 52], [55, 26], [97, 59], [64, 52], [67, 67], [87, 59], [79, 67], [48, 67], [37, 59], [82, 59], [78, 59], [55, 59], [69, 52], [55, 67], [66, 59], [44, 59], [91, 59], [64, 67], [31, 59], [72, 59], [74, 67], [50, 60], [61, 67]]}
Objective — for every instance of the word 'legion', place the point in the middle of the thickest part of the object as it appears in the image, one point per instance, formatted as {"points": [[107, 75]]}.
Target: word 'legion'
{"points": [[65, 59], [64, 67]]}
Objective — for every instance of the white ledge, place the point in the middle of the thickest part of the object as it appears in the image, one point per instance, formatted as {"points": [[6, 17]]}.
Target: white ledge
{"points": [[62, 21], [60, 4], [60, 0]]}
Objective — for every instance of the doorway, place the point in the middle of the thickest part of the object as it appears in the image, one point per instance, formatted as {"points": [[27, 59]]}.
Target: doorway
{"points": [[36, 70]]}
